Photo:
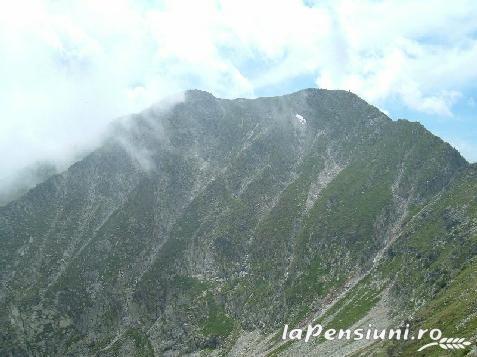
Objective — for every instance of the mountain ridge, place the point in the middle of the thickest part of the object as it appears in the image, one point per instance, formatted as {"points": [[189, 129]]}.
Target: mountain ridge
{"points": [[194, 226]]}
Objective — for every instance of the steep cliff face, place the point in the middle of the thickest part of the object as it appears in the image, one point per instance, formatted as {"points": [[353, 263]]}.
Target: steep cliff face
{"points": [[209, 225]]}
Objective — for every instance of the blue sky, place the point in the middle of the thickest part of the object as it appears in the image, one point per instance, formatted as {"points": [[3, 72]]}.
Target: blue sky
{"points": [[69, 68]]}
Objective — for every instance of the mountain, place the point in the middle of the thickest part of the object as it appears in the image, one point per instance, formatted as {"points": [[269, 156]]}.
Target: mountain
{"points": [[204, 227]]}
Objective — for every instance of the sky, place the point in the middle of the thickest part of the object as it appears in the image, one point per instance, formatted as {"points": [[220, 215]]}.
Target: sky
{"points": [[68, 68]]}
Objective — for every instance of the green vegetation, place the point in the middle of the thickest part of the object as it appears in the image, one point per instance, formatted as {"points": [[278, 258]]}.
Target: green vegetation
{"points": [[233, 218], [217, 322]]}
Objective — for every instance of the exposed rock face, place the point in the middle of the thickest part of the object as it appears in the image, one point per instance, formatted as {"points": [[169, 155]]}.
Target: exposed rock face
{"points": [[208, 226]]}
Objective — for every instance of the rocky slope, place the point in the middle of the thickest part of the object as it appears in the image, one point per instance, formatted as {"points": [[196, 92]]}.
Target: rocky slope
{"points": [[205, 227]]}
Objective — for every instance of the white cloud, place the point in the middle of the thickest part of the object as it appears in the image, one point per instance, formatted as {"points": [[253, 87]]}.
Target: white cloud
{"points": [[420, 52], [67, 68]]}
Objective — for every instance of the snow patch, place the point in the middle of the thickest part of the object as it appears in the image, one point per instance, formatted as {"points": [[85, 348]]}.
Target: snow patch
{"points": [[301, 119]]}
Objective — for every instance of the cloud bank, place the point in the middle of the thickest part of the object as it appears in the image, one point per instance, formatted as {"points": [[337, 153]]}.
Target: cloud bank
{"points": [[68, 68]]}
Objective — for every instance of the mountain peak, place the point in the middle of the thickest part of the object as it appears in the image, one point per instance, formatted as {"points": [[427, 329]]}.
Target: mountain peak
{"points": [[198, 94]]}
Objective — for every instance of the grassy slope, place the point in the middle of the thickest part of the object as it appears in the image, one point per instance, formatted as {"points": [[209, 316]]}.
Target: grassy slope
{"points": [[432, 269]]}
